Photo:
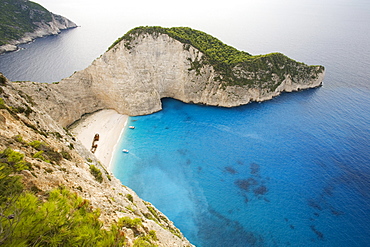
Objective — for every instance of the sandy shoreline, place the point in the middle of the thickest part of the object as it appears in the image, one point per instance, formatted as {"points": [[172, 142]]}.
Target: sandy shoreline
{"points": [[109, 125]]}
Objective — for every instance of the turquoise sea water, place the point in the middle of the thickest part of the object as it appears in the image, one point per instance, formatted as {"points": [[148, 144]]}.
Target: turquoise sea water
{"points": [[291, 171]]}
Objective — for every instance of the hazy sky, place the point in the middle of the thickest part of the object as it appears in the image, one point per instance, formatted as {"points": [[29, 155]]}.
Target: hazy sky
{"points": [[227, 20], [235, 22], [194, 13], [160, 9]]}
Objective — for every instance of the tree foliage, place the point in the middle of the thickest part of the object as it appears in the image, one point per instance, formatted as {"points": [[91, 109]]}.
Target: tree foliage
{"points": [[62, 219], [13, 161], [209, 45]]}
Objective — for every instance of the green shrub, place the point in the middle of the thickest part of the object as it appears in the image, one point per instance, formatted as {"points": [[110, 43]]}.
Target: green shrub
{"points": [[130, 209], [28, 111], [146, 240], [63, 169], [2, 79], [49, 170], [149, 216], [70, 146], [154, 213], [96, 173], [143, 242], [66, 155], [53, 156], [2, 104], [57, 135], [10, 186], [13, 160], [47, 152], [19, 139], [19, 109], [64, 219], [40, 155], [130, 223], [153, 235], [38, 145], [130, 197]]}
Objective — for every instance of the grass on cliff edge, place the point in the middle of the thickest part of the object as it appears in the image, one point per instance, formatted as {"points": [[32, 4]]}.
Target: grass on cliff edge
{"points": [[235, 67]]}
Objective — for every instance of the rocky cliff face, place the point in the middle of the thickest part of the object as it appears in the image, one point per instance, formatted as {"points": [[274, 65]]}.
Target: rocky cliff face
{"points": [[132, 77], [22, 122], [24, 21]]}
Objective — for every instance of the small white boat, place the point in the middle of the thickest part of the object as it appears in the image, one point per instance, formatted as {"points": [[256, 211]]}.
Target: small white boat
{"points": [[132, 127], [124, 150]]}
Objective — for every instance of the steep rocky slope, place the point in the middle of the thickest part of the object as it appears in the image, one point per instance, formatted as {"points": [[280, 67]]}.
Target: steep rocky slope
{"points": [[22, 21], [63, 161], [148, 64]]}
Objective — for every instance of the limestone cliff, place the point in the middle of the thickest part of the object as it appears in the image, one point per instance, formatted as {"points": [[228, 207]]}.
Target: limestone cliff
{"points": [[22, 21], [23, 122], [144, 67]]}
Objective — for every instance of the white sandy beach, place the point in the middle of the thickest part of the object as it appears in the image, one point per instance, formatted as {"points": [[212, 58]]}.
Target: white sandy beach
{"points": [[109, 125]]}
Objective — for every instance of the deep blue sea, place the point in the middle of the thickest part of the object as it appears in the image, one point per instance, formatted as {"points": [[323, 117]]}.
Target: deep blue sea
{"points": [[293, 171]]}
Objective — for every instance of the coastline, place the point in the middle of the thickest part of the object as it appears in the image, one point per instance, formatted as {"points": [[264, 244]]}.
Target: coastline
{"points": [[109, 125], [13, 45]]}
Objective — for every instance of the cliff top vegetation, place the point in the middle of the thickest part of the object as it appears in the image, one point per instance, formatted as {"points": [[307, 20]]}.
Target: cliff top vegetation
{"points": [[204, 42], [18, 17], [235, 67]]}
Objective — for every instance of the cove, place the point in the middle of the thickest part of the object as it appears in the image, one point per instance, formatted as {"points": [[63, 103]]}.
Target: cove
{"points": [[290, 171]]}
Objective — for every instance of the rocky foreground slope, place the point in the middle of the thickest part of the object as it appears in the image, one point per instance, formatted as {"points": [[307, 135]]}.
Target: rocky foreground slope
{"points": [[150, 63], [50, 157], [22, 21]]}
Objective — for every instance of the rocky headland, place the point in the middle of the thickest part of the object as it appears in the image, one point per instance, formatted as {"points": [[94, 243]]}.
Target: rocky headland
{"points": [[22, 21]]}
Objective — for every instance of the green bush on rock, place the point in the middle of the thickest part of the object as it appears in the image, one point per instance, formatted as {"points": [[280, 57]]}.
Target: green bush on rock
{"points": [[10, 159], [96, 173], [64, 219]]}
